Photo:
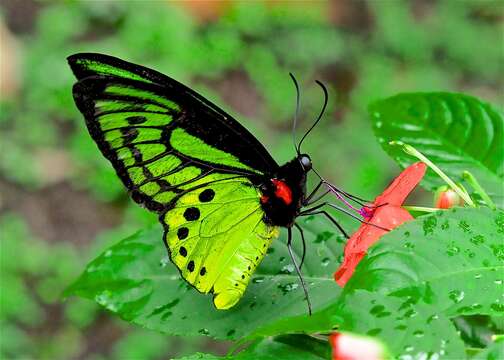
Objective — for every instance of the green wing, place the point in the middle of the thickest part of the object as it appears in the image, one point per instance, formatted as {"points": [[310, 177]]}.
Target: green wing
{"points": [[183, 157]]}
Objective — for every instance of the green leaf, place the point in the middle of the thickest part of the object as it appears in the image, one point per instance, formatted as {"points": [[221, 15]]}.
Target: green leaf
{"points": [[415, 278], [453, 260], [457, 132], [408, 328], [294, 347], [136, 280]]}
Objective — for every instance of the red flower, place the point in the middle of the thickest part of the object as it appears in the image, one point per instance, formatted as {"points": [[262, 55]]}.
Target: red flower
{"points": [[385, 212]]}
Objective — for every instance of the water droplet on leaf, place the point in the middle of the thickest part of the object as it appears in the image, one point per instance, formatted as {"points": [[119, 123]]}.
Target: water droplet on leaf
{"points": [[429, 225], [287, 269], [452, 250], [456, 296], [498, 251], [477, 240], [164, 261], [288, 287], [204, 331], [497, 307], [464, 226], [258, 279], [374, 332], [411, 313], [323, 236], [432, 318]]}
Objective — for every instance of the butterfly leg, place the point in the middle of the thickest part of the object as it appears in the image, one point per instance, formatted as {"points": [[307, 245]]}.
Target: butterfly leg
{"points": [[298, 271], [304, 244], [306, 201], [318, 198], [331, 219], [311, 199]]}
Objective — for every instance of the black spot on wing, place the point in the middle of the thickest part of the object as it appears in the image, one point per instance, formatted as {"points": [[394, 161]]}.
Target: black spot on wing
{"points": [[183, 251], [182, 233], [190, 266], [191, 214], [136, 120], [206, 195]]}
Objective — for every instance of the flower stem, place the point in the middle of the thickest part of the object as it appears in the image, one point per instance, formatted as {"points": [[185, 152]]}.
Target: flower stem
{"points": [[478, 188], [419, 208], [414, 152]]}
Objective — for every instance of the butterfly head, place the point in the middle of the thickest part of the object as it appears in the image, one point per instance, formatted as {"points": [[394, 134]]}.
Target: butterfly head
{"points": [[305, 162]]}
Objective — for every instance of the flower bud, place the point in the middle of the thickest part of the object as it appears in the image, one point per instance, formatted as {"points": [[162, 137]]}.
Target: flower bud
{"points": [[348, 346], [446, 198]]}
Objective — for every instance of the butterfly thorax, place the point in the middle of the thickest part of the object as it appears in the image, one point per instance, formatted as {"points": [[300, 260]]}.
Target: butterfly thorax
{"points": [[283, 193]]}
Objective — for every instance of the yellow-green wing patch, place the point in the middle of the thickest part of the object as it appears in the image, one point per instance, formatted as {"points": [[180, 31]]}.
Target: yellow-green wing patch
{"points": [[198, 149], [216, 236], [97, 67]]}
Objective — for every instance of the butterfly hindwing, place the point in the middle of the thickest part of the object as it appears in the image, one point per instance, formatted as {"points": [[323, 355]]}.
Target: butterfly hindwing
{"points": [[183, 157], [216, 236]]}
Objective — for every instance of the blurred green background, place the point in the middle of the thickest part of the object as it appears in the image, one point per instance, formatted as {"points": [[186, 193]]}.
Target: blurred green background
{"points": [[60, 201]]}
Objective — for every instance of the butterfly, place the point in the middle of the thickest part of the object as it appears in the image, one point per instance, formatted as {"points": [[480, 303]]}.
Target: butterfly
{"points": [[220, 196]]}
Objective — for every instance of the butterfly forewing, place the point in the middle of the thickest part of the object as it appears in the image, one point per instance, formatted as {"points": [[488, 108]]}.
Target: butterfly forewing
{"points": [[201, 118]]}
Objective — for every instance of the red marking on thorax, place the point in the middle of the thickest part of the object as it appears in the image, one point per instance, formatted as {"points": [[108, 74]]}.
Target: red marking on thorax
{"points": [[282, 191]]}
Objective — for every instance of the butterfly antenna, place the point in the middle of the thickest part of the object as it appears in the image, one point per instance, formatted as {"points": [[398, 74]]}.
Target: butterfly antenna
{"points": [[294, 125], [326, 99]]}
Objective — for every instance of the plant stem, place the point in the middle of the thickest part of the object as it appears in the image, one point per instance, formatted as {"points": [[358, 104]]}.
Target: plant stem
{"points": [[479, 189], [420, 208], [414, 152], [472, 351], [497, 337], [461, 187]]}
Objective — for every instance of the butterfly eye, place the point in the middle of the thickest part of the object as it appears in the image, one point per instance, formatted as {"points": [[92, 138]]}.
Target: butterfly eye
{"points": [[305, 162]]}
